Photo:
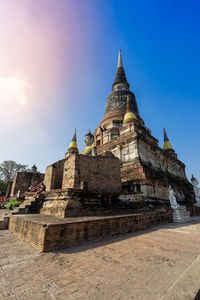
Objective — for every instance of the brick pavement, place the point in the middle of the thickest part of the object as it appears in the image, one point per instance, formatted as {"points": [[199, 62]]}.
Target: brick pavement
{"points": [[163, 263]]}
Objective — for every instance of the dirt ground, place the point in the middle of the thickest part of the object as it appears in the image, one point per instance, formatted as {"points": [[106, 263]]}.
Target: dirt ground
{"points": [[161, 263]]}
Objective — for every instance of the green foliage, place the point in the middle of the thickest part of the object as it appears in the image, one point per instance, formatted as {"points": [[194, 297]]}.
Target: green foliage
{"points": [[9, 168], [3, 187], [12, 203]]}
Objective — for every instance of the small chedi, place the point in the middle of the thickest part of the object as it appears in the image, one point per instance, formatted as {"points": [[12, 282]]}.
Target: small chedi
{"points": [[123, 177], [195, 183]]}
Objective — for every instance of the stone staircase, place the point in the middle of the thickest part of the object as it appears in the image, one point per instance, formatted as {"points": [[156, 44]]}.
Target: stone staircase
{"points": [[31, 204]]}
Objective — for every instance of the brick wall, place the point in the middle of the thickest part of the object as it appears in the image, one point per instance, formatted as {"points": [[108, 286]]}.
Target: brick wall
{"points": [[47, 237], [95, 174], [48, 177], [28, 231], [194, 211], [145, 162], [54, 175], [23, 180]]}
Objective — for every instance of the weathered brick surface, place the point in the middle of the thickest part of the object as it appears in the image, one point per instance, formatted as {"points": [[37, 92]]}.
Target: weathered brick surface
{"points": [[144, 162], [46, 233], [4, 223], [31, 232], [62, 208], [23, 180], [48, 177], [95, 174], [194, 211], [54, 175]]}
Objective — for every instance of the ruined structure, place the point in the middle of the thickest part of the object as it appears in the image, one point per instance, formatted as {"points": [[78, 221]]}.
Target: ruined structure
{"points": [[23, 181], [81, 181], [122, 158], [146, 168], [118, 183], [94, 174]]}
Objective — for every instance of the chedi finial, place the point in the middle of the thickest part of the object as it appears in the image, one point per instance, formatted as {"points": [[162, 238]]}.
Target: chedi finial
{"points": [[120, 63], [73, 144], [167, 145]]}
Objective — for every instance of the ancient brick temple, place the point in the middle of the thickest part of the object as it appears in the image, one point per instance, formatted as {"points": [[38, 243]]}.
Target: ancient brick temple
{"points": [[122, 162], [146, 169], [117, 184]]}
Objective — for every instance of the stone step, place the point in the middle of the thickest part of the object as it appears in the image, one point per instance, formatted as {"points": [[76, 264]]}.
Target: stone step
{"points": [[30, 199], [25, 203], [25, 207], [56, 198]]}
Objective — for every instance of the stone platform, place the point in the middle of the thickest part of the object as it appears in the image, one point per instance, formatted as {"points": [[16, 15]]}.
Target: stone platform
{"points": [[46, 233], [158, 263]]}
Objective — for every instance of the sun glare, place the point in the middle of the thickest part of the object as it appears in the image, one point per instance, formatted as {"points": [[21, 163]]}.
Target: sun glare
{"points": [[15, 104], [13, 92]]}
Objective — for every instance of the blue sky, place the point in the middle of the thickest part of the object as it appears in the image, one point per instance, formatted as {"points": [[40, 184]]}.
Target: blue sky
{"points": [[75, 55]]}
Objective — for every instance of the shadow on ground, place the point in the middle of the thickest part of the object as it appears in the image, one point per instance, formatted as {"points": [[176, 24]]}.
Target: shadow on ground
{"points": [[92, 244]]}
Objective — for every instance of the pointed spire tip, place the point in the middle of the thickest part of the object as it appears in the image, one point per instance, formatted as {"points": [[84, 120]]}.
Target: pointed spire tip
{"points": [[165, 135], [74, 137], [120, 63]]}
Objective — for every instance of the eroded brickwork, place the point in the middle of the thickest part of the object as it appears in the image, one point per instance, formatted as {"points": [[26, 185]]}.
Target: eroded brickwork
{"points": [[123, 132], [48, 233], [144, 162], [24, 180], [31, 232], [54, 175], [94, 174]]}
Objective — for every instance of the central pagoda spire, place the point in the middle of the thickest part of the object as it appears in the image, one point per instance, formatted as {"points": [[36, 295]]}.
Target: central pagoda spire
{"points": [[117, 100], [120, 63], [120, 77]]}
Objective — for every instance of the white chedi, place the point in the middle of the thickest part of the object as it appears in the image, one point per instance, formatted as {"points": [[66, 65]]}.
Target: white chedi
{"points": [[172, 198]]}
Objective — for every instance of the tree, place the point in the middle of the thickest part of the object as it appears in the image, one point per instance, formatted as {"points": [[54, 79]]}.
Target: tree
{"points": [[3, 187], [8, 170]]}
